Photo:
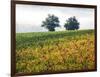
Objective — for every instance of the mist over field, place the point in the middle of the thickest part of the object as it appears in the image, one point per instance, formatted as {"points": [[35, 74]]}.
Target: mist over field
{"points": [[29, 17]]}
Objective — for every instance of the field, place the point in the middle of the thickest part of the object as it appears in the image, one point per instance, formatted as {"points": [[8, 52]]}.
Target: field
{"points": [[55, 51]]}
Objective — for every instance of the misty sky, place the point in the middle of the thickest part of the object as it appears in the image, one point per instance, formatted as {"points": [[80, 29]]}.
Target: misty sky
{"points": [[29, 17]]}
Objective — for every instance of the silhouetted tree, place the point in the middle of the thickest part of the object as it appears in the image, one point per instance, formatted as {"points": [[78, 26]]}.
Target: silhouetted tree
{"points": [[51, 22], [72, 23]]}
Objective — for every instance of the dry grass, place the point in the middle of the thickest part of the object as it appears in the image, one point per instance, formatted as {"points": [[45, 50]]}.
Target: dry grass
{"points": [[74, 52]]}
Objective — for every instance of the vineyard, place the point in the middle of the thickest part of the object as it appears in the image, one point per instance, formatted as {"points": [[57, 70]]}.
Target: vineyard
{"points": [[55, 51]]}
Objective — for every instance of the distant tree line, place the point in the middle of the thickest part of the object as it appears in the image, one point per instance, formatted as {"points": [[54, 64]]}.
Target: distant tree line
{"points": [[52, 21]]}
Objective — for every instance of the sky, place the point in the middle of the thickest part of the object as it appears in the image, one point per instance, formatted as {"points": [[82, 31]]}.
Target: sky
{"points": [[29, 17]]}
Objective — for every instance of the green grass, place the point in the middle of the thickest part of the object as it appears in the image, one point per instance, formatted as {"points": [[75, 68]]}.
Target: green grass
{"points": [[54, 51], [34, 39]]}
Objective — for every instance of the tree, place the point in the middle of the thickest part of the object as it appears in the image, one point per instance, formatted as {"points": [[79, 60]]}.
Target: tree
{"points": [[51, 22], [72, 23]]}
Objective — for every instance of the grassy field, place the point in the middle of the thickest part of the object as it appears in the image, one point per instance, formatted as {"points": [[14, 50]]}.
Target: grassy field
{"points": [[55, 51]]}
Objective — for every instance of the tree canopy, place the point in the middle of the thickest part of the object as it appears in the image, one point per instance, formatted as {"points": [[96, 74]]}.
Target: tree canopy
{"points": [[51, 22], [72, 23]]}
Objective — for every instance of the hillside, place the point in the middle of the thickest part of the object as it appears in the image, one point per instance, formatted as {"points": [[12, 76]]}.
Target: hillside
{"points": [[55, 51]]}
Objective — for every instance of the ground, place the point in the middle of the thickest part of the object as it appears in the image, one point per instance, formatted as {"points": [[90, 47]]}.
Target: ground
{"points": [[55, 51]]}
